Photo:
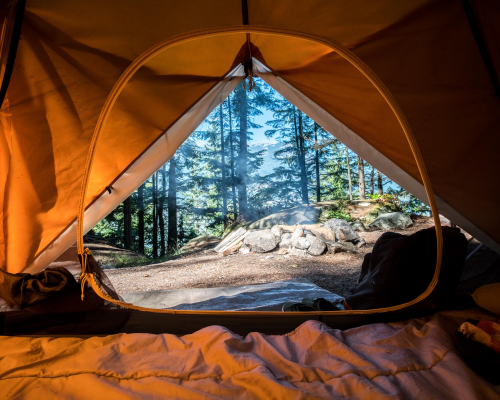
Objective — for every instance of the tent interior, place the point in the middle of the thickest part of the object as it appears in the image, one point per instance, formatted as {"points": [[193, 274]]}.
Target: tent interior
{"points": [[137, 84], [97, 95]]}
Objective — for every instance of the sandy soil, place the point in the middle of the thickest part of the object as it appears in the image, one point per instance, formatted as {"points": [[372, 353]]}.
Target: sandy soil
{"points": [[204, 268]]}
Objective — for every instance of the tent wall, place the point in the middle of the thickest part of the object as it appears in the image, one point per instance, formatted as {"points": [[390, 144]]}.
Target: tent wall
{"points": [[71, 53], [57, 90]]}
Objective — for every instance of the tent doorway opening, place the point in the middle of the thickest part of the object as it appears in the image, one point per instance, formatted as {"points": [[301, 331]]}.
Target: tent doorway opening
{"points": [[256, 164], [120, 101]]}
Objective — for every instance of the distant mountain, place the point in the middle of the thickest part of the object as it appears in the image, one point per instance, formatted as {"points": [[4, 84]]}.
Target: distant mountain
{"points": [[269, 161]]}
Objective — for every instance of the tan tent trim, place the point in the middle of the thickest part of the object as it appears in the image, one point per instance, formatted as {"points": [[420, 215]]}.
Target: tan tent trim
{"points": [[342, 51], [149, 161], [364, 149]]}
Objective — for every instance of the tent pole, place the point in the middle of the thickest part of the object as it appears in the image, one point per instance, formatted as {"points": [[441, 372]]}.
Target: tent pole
{"points": [[343, 52]]}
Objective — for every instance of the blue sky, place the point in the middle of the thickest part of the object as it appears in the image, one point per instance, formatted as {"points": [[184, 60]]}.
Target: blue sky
{"points": [[258, 134]]}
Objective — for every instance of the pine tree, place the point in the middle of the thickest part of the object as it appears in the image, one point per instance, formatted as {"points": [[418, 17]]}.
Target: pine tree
{"points": [[372, 181], [231, 146], [316, 163], [161, 209], [223, 167], [154, 195], [242, 160], [291, 176], [380, 187], [140, 216], [361, 178], [301, 154], [127, 223], [349, 172], [172, 206]]}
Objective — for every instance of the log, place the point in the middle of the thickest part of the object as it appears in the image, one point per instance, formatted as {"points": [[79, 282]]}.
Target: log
{"points": [[230, 239]]}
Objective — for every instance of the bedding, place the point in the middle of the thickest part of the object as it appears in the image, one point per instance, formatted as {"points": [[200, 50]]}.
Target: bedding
{"points": [[416, 359]]}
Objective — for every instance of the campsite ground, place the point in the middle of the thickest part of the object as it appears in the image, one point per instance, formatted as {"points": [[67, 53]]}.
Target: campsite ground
{"points": [[204, 268]]}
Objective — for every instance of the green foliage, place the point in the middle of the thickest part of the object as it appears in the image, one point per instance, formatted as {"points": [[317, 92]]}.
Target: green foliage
{"points": [[391, 197], [408, 203], [340, 214]]}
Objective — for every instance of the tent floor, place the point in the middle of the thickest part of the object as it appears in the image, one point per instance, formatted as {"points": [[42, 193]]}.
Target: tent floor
{"points": [[255, 297]]}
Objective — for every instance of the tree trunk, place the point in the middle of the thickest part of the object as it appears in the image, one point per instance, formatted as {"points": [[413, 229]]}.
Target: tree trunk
{"points": [[349, 173], [372, 180], [299, 141], [242, 155], [316, 160], [140, 217], [154, 179], [161, 219], [361, 178], [172, 207], [380, 185], [223, 168], [127, 223], [233, 183]]}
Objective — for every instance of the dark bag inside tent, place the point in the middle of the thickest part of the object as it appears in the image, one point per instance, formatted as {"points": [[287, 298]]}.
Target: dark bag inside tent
{"points": [[400, 268]]}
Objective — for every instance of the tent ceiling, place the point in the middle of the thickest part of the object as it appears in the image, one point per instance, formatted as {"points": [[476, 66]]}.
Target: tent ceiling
{"points": [[71, 54]]}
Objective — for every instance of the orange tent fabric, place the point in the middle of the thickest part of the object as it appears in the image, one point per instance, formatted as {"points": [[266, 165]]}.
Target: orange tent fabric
{"points": [[70, 54]]}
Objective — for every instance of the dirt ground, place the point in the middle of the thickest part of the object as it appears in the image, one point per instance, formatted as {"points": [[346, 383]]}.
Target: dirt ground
{"points": [[204, 268]]}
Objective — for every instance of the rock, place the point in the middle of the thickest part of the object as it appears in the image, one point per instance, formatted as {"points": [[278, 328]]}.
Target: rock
{"points": [[277, 230], [361, 243], [297, 215], [298, 252], [343, 230], [286, 243], [340, 247], [244, 249], [282, 251], [347, 235], [357, 225], [298, 232], [301, 243], [390, 221], [364, 204], [383, 208], [444, 220], [107, 266], [261, 241], [286, 236], [317, 246], [336, 224], [324, 234]]}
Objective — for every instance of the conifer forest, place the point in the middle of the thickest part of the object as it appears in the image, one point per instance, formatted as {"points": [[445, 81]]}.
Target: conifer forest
{"points": [[221, 175]]}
